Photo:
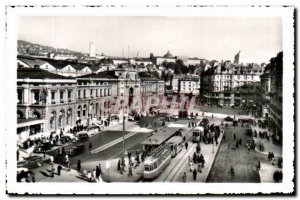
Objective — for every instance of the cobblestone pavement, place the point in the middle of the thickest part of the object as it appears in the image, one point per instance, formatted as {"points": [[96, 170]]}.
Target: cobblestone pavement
{"points": [[243, 162]]}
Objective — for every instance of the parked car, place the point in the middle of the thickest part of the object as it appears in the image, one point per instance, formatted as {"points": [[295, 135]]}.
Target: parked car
{"points": [[42, 148], [22, 174], [31, 162], [75, 150], [250, 143], [235, 123], [82, 136]]}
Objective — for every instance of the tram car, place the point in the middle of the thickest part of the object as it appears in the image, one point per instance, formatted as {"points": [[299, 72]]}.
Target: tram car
{"points": [[198, 132], [156, 163], [176, 144]]}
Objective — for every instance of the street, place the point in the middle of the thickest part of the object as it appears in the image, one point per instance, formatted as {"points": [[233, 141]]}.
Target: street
{"points": [[243, 162]]}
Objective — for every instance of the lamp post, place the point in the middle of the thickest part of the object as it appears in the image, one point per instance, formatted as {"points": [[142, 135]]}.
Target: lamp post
{"points": [[213, 134]]}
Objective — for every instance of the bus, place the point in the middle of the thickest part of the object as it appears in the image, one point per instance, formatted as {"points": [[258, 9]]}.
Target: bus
{"points": [[198, 132], [176, 144], [156, 163]]}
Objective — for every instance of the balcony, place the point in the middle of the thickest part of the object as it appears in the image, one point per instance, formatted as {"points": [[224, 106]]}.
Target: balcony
{"points": [[61, 101]]}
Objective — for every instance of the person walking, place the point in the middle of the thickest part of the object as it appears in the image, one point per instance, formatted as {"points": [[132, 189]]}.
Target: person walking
{"points": [[33, 178], [90, 145], [52, 171], [119, 165], [194, 174], [78, 165], [231, 171], [258, 166], [89, 176], [186, 145], [198, 148], [98, 173], [129, 170], [234, 136], [59, 168], [69, 166], [184, 177]]}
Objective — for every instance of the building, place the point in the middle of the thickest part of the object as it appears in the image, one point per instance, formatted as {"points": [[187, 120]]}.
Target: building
{"points": [[189, 85], [230, 84], [46, 102], [237, 58], [271, 95], [92, 49], [168, 57]]}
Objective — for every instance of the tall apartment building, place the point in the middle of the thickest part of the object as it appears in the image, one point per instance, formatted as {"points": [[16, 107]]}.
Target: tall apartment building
{"points": [[230, 84]]}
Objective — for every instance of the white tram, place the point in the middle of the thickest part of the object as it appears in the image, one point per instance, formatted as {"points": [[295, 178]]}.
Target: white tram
{"points": [[198, 132], [176, 144], [155, 164]]}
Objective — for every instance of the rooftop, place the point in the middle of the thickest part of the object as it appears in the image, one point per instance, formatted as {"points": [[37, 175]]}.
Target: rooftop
{"points": [[36, 73]]}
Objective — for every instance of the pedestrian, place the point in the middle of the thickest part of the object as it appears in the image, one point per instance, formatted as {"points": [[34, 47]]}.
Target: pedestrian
{"points": [[269, 156], [52, 171], [129, 170], [234, 136], [200, 167], [18, 155], [51, 160], [98, 173], [119, 165], [194, 174], [78, 165], [198, 148], [237, 144], [89, 176], [231, 171], [59, 168], [183, 138], [240, 142], [258, 166], [94, 175], [69, 166], [194, 157], [184, 177], [33, 178], [186, 145], [90, 145]]}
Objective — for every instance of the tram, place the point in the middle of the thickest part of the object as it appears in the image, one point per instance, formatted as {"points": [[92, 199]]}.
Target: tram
{"points": [[176, 144], [158, 160], [198, 132]]}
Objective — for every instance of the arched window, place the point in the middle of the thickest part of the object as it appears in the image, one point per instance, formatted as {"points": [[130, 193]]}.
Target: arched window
{"points": [[84, 111], [69, 115], [79, 111], [36, 115], [61, 118], [20, 114], [52, 120]]}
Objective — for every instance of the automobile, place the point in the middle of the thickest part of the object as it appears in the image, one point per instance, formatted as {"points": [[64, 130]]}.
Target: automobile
{"points": [[228, 119], [82, 136], [22, 174], [75, 150], [130, 118], [235, 123], [250, 143], [31, 162], [42, 148], [249, 132]]}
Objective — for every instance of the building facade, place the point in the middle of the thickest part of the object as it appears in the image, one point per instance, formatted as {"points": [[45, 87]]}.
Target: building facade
{"points": [[189, 85], [48, 102], [231, 85]]}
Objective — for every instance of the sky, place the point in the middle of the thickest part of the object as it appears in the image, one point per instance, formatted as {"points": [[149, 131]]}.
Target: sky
{"points": [[218, 38]]}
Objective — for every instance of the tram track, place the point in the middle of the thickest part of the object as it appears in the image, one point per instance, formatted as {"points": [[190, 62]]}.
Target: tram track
{"points": [[180, 162]]}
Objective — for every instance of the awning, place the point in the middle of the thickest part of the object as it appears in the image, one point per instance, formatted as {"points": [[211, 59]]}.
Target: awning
{"points": [[30, 122]]}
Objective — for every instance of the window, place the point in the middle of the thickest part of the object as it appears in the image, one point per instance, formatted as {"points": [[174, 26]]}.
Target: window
{"points": [[53, 96], [79, 94], [84, 94]]}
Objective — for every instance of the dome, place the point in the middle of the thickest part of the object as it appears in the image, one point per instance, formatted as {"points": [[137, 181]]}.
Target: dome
{"points": [[168, 55]]}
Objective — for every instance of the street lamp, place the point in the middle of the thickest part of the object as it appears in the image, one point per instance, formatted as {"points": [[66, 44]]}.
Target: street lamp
{"points": [[213, 135]]}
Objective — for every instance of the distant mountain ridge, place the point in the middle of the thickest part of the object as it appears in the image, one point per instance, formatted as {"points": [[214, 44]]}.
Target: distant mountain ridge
{"points": [[25, 47]]}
